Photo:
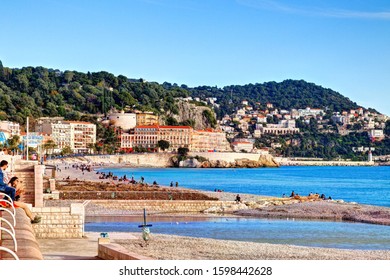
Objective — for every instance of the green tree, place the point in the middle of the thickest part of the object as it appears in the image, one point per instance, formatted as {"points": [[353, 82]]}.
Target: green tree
{"points": [[49, 146], [182, 151], [163, 144], [13, 142], [66, 151]]}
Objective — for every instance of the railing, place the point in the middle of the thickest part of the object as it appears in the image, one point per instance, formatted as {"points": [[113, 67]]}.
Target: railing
{"points": [[13, 213], [10, 252], [11, 230]]}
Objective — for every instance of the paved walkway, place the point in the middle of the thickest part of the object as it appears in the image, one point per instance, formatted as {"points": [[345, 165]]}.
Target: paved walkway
{"points": [[75, 249]]}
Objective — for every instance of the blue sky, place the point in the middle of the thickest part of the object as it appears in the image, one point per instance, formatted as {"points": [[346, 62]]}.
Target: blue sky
{"points": [[339, 44]]}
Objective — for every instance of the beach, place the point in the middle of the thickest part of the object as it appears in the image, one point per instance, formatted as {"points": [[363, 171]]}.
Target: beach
{"points": [[177, 247]]}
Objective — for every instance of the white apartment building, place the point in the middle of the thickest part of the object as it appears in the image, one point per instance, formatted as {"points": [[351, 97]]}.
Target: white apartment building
{"points": [[10, 128], [74, 134], [239, 146], [376, 134]]}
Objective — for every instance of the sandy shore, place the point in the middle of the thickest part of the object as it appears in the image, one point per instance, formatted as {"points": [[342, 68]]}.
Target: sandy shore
{"points": [[169, 247]]}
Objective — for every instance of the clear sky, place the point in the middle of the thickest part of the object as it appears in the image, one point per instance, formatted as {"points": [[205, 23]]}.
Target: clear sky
{"points": [[339, 44]]}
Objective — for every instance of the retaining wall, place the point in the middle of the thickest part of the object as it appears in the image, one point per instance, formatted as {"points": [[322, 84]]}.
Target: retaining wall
{"points": [[123, 207], [60, 222]]}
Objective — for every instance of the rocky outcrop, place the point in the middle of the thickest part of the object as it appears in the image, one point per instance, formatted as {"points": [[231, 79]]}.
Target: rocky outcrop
{"points": [[190, 163], [263, 161], [189, 111]]}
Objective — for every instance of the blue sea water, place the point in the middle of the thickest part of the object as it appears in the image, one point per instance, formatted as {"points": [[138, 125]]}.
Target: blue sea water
{"points": [[365, 185], [325, 234]]}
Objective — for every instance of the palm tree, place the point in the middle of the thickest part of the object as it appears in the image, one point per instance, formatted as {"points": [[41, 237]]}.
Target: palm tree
{"points": [[49, 146]]}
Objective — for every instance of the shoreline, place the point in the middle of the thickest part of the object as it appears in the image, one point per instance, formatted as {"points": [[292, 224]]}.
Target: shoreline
{"points": [[259, 205], [206, 248], [115, 161]]}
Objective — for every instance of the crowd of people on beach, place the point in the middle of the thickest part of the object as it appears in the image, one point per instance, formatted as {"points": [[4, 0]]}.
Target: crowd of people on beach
{"points": [[310, 195], [110, 175]]}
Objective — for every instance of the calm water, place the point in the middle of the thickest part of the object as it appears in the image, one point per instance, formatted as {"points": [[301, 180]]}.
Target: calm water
{"points": [[366, 185], [295, 232]]}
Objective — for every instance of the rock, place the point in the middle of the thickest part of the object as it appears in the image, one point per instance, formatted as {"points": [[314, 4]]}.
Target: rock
{"points": [[190, 163], [268, 161]]}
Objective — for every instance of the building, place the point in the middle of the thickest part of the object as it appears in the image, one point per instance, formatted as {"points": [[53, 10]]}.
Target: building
{"points": [[146, 119], [177, 136], [239, 146], [43, 125], [126, 121], [208, 140], [284, 127], [76, 135], [310, 112], [376, 134], [147, 136], [9, 128]]}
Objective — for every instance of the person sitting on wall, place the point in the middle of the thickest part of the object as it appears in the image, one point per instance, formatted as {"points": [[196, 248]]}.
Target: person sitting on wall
{"points": [[14, 183]]}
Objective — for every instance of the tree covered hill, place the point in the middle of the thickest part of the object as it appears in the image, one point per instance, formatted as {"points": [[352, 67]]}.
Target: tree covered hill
{"points": [[284, 95], [39, 91]]}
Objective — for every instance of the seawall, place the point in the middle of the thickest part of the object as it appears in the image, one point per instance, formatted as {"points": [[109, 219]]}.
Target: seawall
{"points": [[289, 162], [164, 159]]}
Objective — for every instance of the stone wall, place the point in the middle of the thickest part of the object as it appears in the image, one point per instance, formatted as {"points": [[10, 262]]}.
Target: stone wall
{"points": [[123, 207], [60, 222]]}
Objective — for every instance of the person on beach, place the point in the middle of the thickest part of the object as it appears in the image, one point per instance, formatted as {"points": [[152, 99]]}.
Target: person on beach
{"points": [[177, 184], [171, 185], [292, 194], [238, 198], [14, 183]]}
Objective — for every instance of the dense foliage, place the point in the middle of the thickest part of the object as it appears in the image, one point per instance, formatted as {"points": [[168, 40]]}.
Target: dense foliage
{"points": [[38, 92], [285, 95]]}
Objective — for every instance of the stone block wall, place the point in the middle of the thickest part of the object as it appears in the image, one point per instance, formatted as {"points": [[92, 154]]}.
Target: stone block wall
{"points": [[60, 222], [101, 207]]}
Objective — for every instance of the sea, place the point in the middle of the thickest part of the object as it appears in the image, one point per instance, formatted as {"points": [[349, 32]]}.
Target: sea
{"points": [[364, 185]]}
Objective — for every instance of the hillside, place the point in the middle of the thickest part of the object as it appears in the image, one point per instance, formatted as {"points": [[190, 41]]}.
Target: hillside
{"points": [[42, 92], [39, 91], [284, 95]]}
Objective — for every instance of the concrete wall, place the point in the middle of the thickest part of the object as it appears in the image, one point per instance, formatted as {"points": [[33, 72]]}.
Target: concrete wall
{"points": [[60, 222], [107, 251]]}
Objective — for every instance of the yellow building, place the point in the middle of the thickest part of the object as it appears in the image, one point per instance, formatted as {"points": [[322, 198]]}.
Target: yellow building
{"points": [[177, 136], [147, 119]]}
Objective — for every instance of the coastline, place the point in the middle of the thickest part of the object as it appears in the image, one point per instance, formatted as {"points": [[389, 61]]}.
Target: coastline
{"points": [[221, 160], [204, 248]]}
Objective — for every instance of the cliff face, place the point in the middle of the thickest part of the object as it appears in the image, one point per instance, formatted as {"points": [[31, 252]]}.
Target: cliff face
{"points": [[189, 111]]}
